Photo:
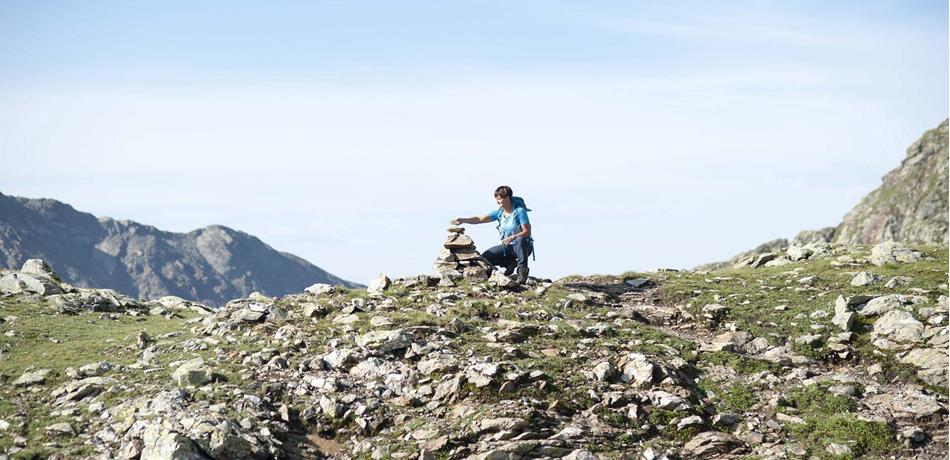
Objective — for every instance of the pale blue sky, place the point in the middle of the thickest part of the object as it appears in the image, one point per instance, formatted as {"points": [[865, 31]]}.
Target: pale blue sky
{"points": [[644, 134]]}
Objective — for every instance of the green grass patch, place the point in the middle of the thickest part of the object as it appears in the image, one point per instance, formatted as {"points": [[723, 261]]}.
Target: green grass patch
{"points": [[83, 339], [744, 365], [816, 400], [863, 437]]}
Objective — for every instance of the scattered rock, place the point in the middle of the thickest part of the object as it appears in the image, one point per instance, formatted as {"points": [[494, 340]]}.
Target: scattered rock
{"points": [[32, 378], [384, 341], [192, 373], [379, 284], [890, 252], [898, 326], [838, 449], [864, 279], [60, 429], [711, 443]]}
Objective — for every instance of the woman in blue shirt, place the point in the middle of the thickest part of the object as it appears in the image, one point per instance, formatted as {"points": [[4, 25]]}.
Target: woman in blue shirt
{"points": [[514, 229]]}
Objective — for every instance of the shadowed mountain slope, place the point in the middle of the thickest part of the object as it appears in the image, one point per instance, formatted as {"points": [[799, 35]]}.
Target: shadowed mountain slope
{"points": [[211, 265]]}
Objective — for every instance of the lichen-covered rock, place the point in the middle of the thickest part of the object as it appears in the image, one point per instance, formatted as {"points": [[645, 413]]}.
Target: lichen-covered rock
{"points": [[192, 373], [711, 443], [160, 443], [890, 252], [898, 326], [384, 341], [31, 378]]}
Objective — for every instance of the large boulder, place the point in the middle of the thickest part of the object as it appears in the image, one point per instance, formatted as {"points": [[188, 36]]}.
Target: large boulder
{"points": [[898, 326], [890, 252], [160, 443], [931, 364], [38, 267], [378, 285]]}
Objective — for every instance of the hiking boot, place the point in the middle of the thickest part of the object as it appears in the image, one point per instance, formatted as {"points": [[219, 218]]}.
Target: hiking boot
{"points": [[522, 274], [510, 268]]}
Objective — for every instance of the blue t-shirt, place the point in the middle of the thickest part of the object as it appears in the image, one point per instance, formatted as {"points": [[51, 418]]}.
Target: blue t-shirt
{"points": [[510, 224]]}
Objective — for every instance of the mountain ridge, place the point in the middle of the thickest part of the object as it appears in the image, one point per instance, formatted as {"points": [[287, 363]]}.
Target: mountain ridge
{"points": [[212, 264]]}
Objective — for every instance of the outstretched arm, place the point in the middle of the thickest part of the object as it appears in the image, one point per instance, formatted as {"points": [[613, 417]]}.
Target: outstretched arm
{"points": [[470, 220]]}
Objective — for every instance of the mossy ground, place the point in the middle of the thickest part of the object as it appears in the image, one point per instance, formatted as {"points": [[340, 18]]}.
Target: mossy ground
{"points": [[572, 336], [44, 340], [772, 302]]}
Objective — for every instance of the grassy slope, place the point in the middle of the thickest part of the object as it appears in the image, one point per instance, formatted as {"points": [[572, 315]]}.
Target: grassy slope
{"points": [[750, 294]]}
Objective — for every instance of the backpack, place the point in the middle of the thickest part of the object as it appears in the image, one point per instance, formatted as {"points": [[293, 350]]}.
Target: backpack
{"points": [[518, 202]]}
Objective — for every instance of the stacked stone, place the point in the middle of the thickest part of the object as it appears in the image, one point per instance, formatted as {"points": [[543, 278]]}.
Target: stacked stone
{"points": [[459, 258]]}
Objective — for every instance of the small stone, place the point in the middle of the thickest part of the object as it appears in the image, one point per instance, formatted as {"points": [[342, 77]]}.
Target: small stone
{"points": [[725, 419], [60, 429], [843, 319], [797, 253], [31, 378], [604, 371], [192, 373], [383, 341], [637, 283], [914, 434], [898, 281], [785, 418], [810, 340], [709, 443], [898, 326], [762, 259], [457, 241], [692, 420], [838, 449], [864, 279], [320, 289], [379, 284]]}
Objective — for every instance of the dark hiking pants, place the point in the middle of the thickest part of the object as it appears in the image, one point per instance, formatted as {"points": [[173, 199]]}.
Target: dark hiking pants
{"points": [[518, 250]]}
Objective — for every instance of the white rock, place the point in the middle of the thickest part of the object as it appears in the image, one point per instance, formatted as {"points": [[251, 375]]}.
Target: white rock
{"points": [[838, 449], [890, 252], [864, 279], [898, 326], [378, 285]]}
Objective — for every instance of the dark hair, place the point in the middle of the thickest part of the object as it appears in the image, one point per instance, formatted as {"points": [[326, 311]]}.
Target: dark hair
{"points": [[503, 192]]}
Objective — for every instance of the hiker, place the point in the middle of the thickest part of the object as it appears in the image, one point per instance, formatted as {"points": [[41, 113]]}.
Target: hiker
{"points": [[514, 229]]}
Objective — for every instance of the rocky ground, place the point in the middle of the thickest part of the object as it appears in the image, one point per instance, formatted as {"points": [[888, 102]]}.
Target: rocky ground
{"points": [[815, 352]]}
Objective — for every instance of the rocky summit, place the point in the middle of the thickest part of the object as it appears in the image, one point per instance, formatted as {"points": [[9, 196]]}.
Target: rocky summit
{"points": [[211, 265], [821, 351]]}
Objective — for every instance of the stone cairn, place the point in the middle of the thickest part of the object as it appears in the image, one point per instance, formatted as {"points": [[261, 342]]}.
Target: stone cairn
{"points": [[458, 258]]}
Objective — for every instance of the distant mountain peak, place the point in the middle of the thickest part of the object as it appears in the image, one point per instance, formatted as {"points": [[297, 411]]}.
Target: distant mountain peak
{"points": [[211, 265]]}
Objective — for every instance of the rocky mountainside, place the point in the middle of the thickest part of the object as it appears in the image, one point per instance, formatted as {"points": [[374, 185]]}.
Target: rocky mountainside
{"points": [[837, 352], [210, 265], [909, 207]]}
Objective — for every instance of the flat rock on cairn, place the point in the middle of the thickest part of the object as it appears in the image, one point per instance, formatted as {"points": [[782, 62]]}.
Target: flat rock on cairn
{"points": [[459, 258]]}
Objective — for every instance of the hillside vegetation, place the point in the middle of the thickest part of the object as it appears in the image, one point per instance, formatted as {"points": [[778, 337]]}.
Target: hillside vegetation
{"points": [[840, 354]]}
